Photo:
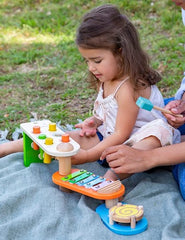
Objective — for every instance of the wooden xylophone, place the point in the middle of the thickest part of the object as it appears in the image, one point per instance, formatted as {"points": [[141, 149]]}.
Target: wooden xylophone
{"points": [[91, 185]]}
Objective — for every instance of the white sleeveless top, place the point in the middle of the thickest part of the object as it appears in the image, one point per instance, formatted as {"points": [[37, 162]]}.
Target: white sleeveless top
{"points": [[106, 110], [145, 116]]}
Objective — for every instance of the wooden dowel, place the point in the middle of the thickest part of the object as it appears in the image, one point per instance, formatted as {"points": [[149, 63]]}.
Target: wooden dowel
{"points": [[167, 111]]}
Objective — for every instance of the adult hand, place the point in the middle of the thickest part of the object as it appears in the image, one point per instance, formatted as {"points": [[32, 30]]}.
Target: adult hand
{"points": [[124, 159], [176, 107], [88, 127]]}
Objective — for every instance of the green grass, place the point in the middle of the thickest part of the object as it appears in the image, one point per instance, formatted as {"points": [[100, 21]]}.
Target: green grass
{"points": [[41, 70]]}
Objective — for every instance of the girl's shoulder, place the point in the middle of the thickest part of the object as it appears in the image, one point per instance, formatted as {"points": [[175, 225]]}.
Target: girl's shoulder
{"points": [[120, 84], [125, 91], [126, 86]]}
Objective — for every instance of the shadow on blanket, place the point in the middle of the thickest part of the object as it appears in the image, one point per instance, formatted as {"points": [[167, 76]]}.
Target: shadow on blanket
{"points": [[33, 208]]}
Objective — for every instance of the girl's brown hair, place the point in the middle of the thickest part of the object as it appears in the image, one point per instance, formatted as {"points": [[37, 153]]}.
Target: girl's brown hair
{"points": [[105, 27]]}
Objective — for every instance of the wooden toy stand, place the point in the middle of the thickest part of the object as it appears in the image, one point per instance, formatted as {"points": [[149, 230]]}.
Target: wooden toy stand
{"points": [[40, 140], [123, 219], [44, 142]]}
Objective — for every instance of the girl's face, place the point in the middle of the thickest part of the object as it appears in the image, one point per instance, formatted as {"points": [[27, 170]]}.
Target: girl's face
{"points": [[101, 63], [180, 3]]}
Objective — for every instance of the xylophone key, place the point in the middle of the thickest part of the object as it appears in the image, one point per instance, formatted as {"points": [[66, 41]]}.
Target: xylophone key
{"points": [[94, 182], [102, 185], [80, 177], [87, 180], [73, 175]]}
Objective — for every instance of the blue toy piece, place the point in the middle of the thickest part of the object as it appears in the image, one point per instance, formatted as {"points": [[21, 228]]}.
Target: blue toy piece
{"points": [[122, 229], [144, 103]]}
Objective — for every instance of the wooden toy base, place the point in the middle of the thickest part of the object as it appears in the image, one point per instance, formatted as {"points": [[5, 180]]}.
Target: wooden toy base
{"points": [[120, 228], [104, 195]]}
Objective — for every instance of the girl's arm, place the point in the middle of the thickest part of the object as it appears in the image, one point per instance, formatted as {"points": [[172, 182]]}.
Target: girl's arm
{"points": [[126, 118]]}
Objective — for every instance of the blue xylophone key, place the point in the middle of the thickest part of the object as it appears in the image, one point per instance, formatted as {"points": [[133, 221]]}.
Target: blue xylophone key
{"points": [[94, 182], [89, 179]]}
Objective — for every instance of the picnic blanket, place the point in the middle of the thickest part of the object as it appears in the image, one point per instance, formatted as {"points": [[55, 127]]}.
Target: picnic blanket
{"points": [[33, 208]]}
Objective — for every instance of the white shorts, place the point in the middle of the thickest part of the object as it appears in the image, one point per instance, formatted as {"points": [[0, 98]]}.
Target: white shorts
{"points": [[157, 128]]}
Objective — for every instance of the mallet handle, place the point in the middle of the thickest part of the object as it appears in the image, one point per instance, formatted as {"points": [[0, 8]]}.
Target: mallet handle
{"points": [[167, 111]]}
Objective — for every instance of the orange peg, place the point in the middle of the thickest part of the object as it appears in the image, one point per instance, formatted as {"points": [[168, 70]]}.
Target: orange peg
{"points": [[35, 146], [65, 137], [36, 129]]}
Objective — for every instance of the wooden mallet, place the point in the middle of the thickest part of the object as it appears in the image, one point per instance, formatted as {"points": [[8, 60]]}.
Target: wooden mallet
{"points": [[146, 104]]}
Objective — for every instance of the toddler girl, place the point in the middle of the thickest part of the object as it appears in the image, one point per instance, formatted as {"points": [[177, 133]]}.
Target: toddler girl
{"points": [[120, 69]]}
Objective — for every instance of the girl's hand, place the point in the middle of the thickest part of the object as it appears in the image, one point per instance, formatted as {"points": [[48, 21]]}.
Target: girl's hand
{"points": [[176, 107], [88, 127]]}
